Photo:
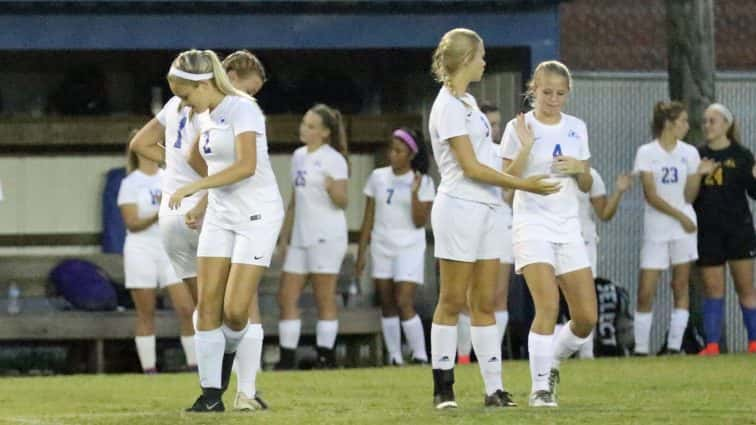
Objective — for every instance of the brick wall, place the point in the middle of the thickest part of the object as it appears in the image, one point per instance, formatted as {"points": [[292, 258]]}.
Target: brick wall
{"points": [[621, 35]]}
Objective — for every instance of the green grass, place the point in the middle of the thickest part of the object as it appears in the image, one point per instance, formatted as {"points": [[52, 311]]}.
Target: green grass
{"points": [[679, 390]]}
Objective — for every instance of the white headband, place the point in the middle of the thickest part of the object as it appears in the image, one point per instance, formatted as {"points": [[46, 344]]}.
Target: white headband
{"points": [[724, 111], [190, 76]]}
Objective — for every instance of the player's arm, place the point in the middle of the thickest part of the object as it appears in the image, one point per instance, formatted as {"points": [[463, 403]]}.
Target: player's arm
{"points": [[147, 141], [473, 169], [130, 214], [420, 209], [195, 160], [242, 168], [367, 227], [693, 181], [656, 201], [605, 207], [285, 236], [337, 191]]}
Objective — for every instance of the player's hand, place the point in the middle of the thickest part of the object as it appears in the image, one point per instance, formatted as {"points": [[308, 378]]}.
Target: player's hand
{"points": [[540, 184], [623, 183], [568, 165], [688, 225], [175, 202], [416, 182], [193, 218], [523, 131], [707, 166], [359, 266]]}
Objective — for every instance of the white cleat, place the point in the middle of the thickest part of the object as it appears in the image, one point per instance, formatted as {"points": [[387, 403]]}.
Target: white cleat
{"points": [[246, 404], [542, 398]]}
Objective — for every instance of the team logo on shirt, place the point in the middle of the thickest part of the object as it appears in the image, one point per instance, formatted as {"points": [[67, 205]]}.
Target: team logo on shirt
{"points": [[155, 196], [729, 163], [572, 134]]}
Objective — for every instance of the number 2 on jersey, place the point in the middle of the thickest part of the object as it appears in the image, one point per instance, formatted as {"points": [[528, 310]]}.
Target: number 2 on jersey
{"points": [[390, 194], [670, 175], [206, 145]]}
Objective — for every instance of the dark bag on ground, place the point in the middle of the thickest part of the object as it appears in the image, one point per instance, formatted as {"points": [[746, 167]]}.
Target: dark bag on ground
{"points": [[614, 329], [85, 285]]}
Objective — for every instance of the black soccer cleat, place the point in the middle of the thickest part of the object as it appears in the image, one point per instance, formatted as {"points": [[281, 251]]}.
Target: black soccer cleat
{"points": [[288, 360], [443, 389], [209, 401], [500, 398], [326, 358]]}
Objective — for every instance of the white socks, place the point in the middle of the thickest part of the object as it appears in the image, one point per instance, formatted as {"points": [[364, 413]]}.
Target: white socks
{"points": [[392, 336], [586, 350], [288, 333], [443, 345], [566, 344], [413, 332], [233, 338], [187, 342], [210, 347], [541, 356], [325, 333], [464, 342], [642, 331], [248, 359], [145, 346], [677, 324], [502, 319], [488, 351]]}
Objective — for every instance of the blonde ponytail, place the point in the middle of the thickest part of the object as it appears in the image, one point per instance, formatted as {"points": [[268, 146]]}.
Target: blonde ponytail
{"points": [[205, 61]]}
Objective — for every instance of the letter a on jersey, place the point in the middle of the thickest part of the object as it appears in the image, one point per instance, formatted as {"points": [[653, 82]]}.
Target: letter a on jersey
{"points": [[557, 150]]}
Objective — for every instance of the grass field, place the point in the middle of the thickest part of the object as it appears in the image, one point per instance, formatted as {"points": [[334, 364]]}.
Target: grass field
{"points": [[679, 390]]}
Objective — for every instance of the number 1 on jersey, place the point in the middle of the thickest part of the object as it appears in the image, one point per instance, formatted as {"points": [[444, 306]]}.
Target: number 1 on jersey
{"points": [[181, 126]]}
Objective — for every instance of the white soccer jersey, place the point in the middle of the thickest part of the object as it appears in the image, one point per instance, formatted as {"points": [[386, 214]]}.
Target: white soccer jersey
{"points": [[239, 203], [552, 218], [316, 217], [450, 117], [144, 191], [585, 208], [671, 171], [393, 226], [180, 134]]}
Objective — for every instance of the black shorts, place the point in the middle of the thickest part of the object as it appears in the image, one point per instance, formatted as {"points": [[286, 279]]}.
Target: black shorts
{"points": [[717, 246]]}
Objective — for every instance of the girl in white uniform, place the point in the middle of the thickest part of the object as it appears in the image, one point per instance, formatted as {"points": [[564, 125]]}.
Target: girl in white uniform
{"points": [[243, 217], [590, 204], [546, 230], [146, 264], [316, 232], [670, 172], [464, 217], [399, 199]]}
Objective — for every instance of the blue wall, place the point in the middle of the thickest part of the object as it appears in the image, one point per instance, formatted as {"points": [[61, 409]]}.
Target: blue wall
{"points": [[538, 30]]}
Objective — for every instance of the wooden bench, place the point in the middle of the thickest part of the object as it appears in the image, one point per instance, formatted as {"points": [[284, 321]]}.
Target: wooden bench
{"points": [[359, 325]]}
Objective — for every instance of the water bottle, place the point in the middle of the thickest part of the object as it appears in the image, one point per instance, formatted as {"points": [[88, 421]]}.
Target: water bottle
{"points": [[14, 299]]}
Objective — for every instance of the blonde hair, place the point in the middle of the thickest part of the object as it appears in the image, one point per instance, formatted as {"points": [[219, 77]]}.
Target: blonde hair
{"points": [[331, 118], [456, 48], [205, 61], [244, 63], [552, 67]]}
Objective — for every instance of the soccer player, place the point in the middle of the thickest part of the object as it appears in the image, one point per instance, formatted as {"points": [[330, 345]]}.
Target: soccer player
{"points": [[670, 171], [725, 232], [548, 246], [399, 199], [464, 216], [243, 218], [146, 263], [316, 233]]}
